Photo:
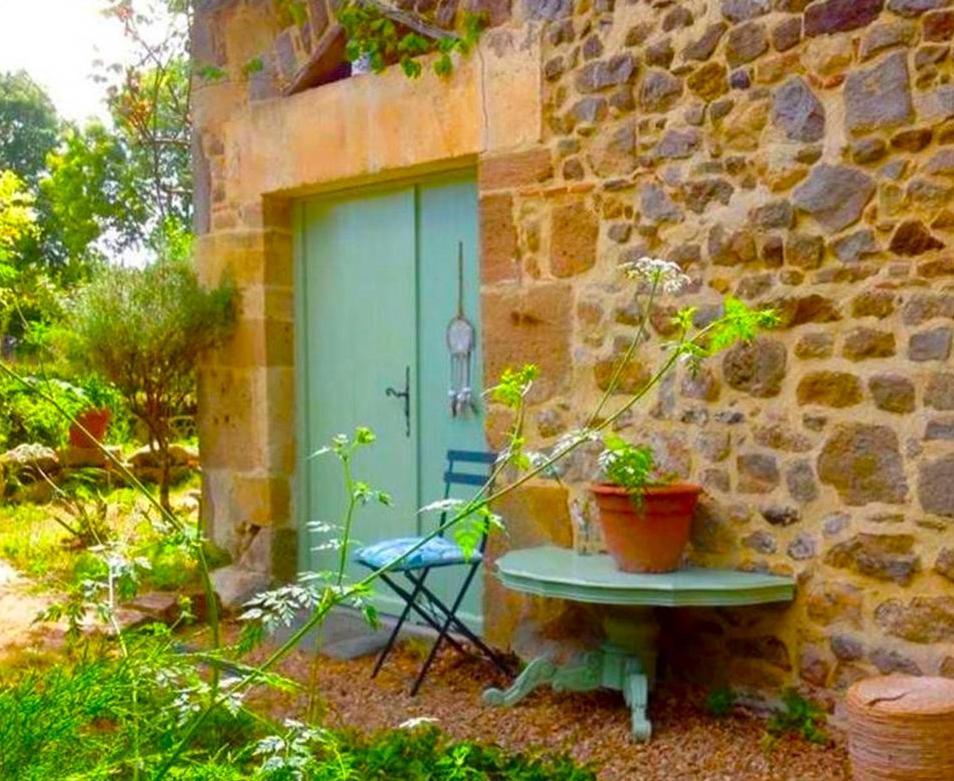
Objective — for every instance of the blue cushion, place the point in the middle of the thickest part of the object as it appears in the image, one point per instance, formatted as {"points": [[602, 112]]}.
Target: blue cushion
{"points": [[436, 552]]}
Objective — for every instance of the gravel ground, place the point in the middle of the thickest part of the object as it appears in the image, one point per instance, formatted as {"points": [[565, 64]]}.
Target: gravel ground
{"points": [[688, 744]]}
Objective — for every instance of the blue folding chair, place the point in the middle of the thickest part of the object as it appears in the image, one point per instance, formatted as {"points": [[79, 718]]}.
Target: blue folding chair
{"points": [[436, 552]]}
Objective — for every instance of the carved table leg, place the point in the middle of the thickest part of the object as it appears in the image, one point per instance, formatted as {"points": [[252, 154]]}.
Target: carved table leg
{"points": [[584, 675], [626, 663], [636, 694]]}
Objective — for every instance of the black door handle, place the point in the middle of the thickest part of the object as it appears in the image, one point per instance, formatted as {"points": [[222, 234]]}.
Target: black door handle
{"points": [[406, 395]]}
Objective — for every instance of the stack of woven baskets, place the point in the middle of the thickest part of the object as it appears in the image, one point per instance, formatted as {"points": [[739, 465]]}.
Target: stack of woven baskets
{"points": [[901, 728]]}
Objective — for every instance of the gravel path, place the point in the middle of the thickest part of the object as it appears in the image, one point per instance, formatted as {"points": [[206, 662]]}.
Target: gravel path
{"points": [[688, 744]]}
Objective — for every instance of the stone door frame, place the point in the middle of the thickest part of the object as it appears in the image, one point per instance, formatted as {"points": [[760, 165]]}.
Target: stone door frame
{"points": [[254, 160]]}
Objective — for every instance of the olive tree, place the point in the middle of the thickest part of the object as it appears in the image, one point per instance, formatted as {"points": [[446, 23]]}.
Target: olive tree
{"points": [[143, 329]]}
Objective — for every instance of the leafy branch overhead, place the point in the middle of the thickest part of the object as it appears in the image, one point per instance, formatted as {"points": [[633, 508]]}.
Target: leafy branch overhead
{"points": [[380, 34]]}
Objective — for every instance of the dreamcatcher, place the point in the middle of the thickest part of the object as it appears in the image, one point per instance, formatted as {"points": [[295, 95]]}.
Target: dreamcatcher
{"points": [[460, 342]]}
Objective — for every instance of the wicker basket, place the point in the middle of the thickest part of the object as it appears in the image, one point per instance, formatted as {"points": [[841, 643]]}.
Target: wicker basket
{"points": [[901, 728]]}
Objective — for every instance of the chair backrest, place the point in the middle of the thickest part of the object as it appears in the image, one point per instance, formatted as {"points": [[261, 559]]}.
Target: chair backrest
{"points": [[472, 468]]}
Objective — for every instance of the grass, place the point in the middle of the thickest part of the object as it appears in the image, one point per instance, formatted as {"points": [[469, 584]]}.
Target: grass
{"points": [[35, 544]]}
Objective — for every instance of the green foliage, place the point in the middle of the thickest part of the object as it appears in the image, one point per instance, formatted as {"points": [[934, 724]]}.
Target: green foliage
{"points": [[17, 216], [382, 40], [17, 227], [721, 701], [33, 543], [29, 126], [75, 721], [801, 717], [141, 329], [628, 466], [738, 323], [27, 417], [425, 754], [514, 385], [94, 190]]}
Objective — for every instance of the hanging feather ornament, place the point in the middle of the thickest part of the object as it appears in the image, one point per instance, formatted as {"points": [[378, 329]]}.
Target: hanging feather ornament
{"points": [[460, 343]]}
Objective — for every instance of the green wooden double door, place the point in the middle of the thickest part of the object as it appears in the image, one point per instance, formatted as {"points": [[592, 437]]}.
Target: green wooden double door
{"points": [[377, 286]]}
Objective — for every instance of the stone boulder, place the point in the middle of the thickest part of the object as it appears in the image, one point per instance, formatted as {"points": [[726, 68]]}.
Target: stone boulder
{"points": [[235, 585], [29, 462]]}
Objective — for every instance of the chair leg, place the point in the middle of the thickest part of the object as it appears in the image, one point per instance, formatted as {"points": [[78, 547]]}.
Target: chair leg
{"points": [[428, 618], [397, 627], [462, 628], [451, 618]]}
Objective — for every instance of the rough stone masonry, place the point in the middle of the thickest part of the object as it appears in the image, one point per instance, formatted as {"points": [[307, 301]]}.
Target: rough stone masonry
{"points": [[794, 154]]}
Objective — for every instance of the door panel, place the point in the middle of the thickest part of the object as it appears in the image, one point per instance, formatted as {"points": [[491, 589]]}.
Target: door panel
{"points": [[359, 337], [447, 214], [378, 285]]}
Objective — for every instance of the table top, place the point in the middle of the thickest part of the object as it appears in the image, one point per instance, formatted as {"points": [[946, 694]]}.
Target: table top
{"points": [[562, 573]]}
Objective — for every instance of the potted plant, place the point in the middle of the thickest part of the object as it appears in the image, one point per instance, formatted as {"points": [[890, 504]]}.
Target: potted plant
{"points": [[645, 517], [95, 419]]}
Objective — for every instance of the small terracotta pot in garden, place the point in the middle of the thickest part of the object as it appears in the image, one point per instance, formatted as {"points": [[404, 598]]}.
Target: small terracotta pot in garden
{"points": [[96, 422], [647, 534]]}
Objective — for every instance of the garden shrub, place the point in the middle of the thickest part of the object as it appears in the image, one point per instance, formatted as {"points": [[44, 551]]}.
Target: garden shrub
{"points": [[28, 417], [426, 754], [142, 330], [74, 722]]}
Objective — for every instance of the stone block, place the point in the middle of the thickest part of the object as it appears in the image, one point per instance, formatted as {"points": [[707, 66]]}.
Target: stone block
{"points": [[881, 556], [879, 96], [529, 325], [931, 345], [832, 16], [236, 585], [261, 501], [829, 389], [936, 486], [518, 169], [834, 195], [757, 368], [919, 620], [892, 392], [498, 239], [574, 231], [863, 463]]}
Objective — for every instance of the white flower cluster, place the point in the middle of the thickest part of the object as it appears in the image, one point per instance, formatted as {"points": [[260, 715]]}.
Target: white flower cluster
{"points": [[664, 273]]}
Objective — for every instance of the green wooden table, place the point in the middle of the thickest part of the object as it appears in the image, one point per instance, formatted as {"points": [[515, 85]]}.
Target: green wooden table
{"points": [[627, 660]]}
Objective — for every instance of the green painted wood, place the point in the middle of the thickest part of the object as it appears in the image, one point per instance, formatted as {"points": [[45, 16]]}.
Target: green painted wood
{"points": [[627, 661], [446, 215], [376, 287], [607, 668], [358, 333], [561, 573]]}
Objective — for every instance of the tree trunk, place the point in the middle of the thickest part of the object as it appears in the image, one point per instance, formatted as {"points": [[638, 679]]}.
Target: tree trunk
{"points": [[165, 477]]}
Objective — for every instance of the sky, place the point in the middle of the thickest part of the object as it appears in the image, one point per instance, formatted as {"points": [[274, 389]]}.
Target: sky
{"points": [[56, 42]]}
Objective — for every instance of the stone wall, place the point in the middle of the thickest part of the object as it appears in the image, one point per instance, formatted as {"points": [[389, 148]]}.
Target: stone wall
{"points": [[794, 154]]}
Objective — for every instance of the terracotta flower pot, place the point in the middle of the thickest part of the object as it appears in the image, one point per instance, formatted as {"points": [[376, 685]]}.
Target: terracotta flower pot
{"points": [[648, 535], [96, 422]]}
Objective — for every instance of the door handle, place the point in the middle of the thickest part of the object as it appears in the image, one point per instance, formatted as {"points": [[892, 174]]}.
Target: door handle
{"points": [[406, 396]]}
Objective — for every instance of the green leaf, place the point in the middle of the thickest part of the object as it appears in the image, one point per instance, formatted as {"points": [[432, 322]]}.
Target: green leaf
{"points": [[254, 65]]}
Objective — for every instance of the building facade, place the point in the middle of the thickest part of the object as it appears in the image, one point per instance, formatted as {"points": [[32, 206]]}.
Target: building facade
{"points": [[794, 154]]}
